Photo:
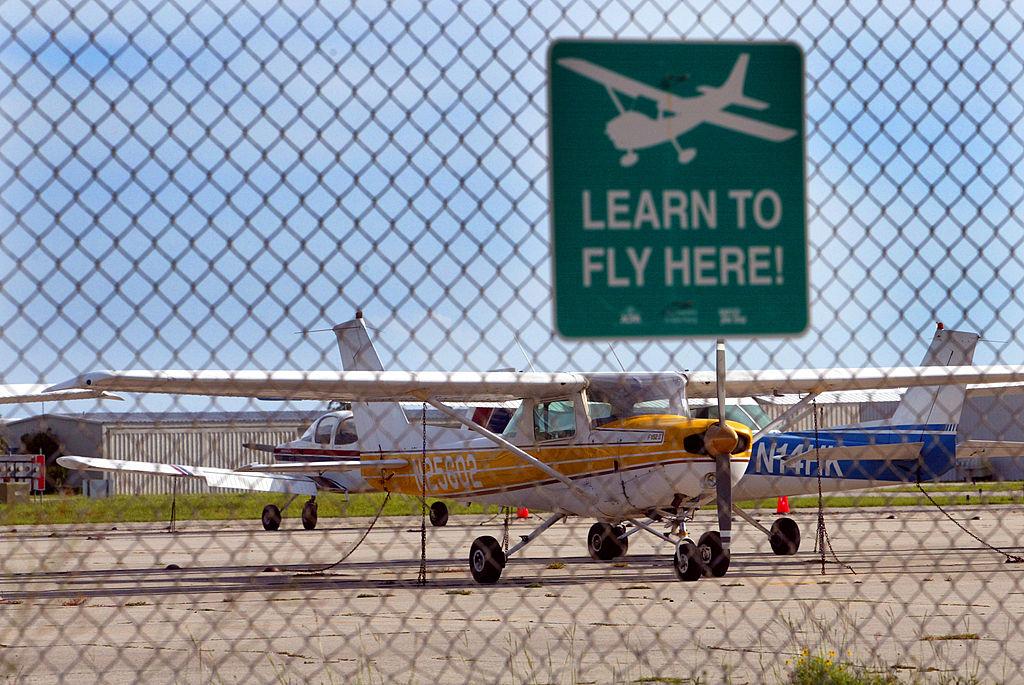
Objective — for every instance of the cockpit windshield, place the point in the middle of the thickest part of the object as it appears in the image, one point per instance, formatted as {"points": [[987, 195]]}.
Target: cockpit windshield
{"points": [[749, 414], [619, 396]]}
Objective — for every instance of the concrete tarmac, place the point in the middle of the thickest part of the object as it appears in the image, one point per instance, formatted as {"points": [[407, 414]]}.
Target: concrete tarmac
{"points": [[908, 591]]}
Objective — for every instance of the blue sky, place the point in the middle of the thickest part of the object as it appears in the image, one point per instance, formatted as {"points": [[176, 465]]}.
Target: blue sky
{"points": [[209, 179]]}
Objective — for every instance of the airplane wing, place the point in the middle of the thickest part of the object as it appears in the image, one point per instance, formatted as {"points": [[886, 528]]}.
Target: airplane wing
{"points": [[751, 127], [470, 386], [623, 84], [217, 478], [321, 466], [33, 392], [364, 386], [991, 389], [882, 452], [989, 449], [789, 381], [889, 395]]}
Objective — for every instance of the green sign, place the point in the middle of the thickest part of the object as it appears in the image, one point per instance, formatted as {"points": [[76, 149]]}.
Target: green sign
{"points": [[677, 188]]}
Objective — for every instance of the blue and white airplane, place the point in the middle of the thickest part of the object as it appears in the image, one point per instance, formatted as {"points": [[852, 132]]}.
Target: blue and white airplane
{"points": [[918, 444]]}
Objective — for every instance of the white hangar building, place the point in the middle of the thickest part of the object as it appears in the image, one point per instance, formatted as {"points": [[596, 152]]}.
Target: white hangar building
{"points": [[199, 438]]}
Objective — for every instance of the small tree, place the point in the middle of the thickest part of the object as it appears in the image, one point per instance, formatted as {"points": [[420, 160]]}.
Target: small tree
{"points": [[48, 444]]}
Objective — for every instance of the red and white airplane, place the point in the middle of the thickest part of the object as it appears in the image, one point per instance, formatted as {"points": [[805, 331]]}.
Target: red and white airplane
{"points": [[332, 439]]}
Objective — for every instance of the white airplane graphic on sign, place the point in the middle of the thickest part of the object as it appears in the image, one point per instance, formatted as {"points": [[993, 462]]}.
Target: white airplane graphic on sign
{"points": [[631, 130]]}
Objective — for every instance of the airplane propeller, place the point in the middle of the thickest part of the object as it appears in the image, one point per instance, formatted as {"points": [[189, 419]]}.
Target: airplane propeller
{"points": [[719, 441]]}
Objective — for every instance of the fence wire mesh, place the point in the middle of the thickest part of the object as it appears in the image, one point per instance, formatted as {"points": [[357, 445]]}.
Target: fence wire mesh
{"points": [[189, 185]]}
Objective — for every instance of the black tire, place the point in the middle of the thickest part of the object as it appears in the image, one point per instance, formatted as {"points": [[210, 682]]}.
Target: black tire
{"points": [[623, 543], [686, 562], [486, 560], [603, 541], [309, 515], [438, 514], [714, 558], [785, 537], [271, 517]]}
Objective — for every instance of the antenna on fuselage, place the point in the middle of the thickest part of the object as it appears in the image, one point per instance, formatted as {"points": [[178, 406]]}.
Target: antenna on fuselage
{"points": [[612, 350], [529, 362]]}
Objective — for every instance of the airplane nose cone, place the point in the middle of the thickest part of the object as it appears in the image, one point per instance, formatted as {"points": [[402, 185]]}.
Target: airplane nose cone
{"points": [[720, 439]]}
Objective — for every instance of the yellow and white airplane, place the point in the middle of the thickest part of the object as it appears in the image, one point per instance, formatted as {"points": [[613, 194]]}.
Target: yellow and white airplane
{"points": [[631, 130], [598, 445]]}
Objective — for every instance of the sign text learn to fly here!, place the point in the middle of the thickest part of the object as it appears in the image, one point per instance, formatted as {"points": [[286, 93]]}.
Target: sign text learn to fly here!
{"points": [[677, 188]]}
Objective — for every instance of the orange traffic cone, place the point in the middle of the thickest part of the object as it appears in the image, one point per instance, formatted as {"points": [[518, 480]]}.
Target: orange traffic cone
{"points": [[522, 513], [783, 505]]}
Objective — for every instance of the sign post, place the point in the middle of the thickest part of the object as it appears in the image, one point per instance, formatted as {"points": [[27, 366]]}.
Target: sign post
{"points": [[677, 189]]}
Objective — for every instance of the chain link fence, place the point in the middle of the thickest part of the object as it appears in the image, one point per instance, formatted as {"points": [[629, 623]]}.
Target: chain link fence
{"points": [[216, 185]]}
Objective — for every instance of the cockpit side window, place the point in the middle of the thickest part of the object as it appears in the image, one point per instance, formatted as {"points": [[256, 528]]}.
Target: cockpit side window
{"points": [[346, 433], [325, 430], [554, 420], [512, 427]]}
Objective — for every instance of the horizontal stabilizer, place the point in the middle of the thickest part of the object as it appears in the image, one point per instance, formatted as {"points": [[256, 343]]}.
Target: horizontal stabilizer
{"points": [[989, 449], [751, 103], [217, 478], [322, 466], [880, 452]]}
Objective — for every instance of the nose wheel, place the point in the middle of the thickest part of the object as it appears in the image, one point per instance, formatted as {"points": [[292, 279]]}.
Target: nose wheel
{"points": [[687, 562], [712, 555]]}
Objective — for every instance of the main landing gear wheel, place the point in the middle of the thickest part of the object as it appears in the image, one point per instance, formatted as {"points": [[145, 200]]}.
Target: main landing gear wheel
{"points": [[309, 515], [687, 561], [604, 542], [486, 560], [785, 537], [438, 514], [271, 517], [712, 555]]}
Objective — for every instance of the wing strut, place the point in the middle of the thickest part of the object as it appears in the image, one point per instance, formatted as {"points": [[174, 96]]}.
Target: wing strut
{"points": [[518, 451], [787, 417], [615, 99]]}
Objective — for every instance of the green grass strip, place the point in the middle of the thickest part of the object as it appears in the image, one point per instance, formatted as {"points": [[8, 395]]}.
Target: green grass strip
{"points": [[58, 509], [219, 506]]}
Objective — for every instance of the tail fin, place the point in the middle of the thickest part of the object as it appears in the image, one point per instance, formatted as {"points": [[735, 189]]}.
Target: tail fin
{"points": [[938, 404], [380, 425], [733, 86]]}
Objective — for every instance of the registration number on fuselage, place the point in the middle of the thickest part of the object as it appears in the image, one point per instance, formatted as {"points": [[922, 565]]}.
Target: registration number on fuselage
{"points": [[447, 472], [772, 460]]}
